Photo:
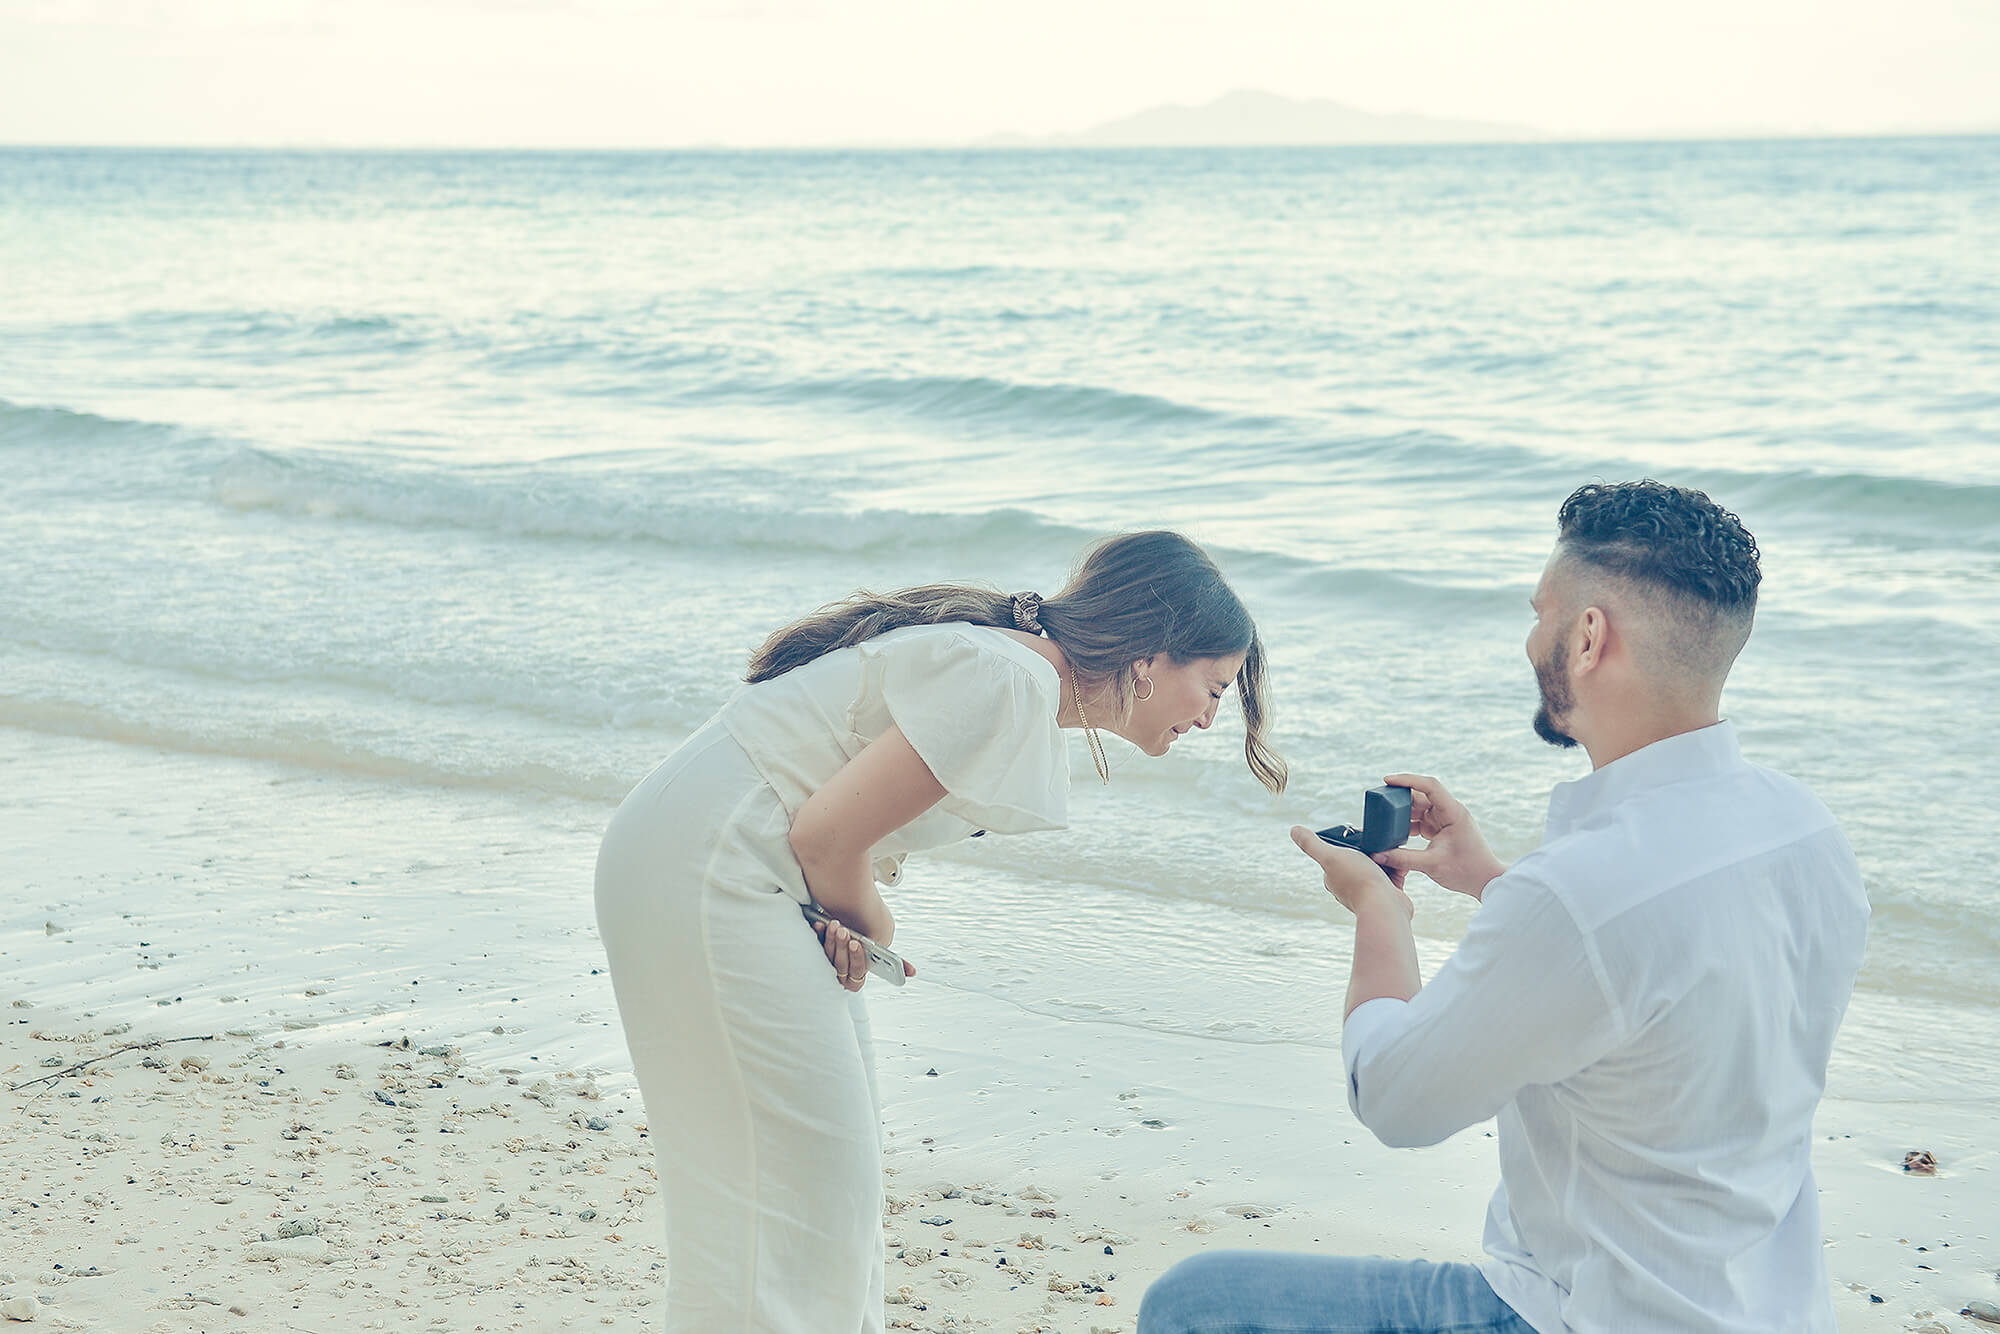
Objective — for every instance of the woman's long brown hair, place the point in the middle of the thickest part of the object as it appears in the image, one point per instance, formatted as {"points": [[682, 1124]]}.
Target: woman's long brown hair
{"points": [[1133, 596]]}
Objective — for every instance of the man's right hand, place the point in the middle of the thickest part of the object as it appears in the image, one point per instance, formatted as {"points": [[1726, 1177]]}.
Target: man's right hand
{"points": [[1456, 855]]}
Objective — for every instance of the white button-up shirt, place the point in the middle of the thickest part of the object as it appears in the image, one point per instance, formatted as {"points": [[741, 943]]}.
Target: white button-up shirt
{"points": [[1646, 1002]]}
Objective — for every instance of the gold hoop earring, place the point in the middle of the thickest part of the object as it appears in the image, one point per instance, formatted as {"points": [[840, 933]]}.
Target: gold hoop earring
{"points": [[1147, 682]]}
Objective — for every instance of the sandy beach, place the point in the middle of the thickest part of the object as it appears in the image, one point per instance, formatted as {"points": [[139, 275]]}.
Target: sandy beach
{"points": [[373, 1107], [276, 1176]]}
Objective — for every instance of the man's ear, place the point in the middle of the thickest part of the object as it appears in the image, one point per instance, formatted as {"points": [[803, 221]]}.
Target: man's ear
{"points": [[1594, 629]]}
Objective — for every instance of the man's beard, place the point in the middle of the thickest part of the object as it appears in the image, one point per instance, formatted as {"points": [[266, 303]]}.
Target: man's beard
{"points": [[1552, 676]]}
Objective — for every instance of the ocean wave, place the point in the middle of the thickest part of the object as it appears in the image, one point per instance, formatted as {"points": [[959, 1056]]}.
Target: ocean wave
{"points": [[1394, 591], [319, 749], [985, 401], [363, 324], [471, 681], [942, 273], [262, 335], [627, 358], [27, 425], [1978, 313], [1904, 930], [628, 504], [1939, 511]]}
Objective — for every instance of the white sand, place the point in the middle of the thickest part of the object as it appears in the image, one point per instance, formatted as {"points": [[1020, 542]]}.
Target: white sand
{"points": [[296, 925], [156, 1190]]}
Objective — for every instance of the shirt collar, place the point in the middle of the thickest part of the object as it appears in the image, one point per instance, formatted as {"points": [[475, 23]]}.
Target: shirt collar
{"points": [[1037, 665], [1675, 759]]}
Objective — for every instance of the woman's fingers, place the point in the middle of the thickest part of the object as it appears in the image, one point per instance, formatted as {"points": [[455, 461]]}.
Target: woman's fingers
{"points": [[844, 952], [848, 955], [845, 946]]}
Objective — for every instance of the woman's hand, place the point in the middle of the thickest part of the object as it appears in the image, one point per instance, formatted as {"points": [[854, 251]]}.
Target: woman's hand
{"points": [[848, 955], [834, 835]]}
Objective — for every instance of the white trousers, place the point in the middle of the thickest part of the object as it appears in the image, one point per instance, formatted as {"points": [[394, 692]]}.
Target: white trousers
{"points": [[756, 1066]]}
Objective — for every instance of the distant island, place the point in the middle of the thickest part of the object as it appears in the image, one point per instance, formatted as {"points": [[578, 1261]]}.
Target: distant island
{"points": [[1249, 119]]}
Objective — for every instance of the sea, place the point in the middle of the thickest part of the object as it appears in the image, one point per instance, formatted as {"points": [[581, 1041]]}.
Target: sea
{"points": [[372, 521]]}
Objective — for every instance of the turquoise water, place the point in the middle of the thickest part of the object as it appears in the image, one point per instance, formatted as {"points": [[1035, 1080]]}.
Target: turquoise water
{"points": [[483, 473]]}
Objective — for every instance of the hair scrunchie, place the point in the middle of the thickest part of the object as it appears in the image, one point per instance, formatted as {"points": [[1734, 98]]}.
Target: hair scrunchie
{"points": [[1028, 612]]}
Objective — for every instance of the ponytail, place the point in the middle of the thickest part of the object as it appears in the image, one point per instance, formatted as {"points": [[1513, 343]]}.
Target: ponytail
{"points": [[854, 620], [1133, 596]]}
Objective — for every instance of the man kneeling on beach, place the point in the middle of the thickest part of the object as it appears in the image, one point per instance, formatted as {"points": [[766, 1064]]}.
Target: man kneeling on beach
{"points": [[1646, 1002]]}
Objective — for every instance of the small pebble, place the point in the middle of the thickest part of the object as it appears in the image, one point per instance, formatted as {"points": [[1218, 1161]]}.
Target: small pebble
{"points": [[312, 1250], [1982, 1310]]}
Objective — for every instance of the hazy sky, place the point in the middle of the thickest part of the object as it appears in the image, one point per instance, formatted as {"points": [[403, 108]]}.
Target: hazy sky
{"points": [[627, 73]]}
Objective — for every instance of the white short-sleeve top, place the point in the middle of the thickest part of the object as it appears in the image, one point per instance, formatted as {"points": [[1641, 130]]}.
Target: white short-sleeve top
{"points": [[978, 705]]}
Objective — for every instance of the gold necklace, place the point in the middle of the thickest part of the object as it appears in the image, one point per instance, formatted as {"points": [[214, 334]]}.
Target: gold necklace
{"points": [[1089, 733]]}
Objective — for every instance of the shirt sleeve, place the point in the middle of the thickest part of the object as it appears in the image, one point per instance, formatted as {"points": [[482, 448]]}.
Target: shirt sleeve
{"points": [[986, 726], [1523, 1001]]}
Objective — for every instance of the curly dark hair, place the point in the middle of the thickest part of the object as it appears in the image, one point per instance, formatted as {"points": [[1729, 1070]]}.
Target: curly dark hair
{"points": [[1669, 536]]}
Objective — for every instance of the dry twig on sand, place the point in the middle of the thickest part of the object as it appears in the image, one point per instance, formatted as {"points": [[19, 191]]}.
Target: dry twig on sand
{"points": [[77, 1069]]}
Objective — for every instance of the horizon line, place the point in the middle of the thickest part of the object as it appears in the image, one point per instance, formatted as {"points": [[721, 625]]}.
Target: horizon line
{"points": [[1032, 144]]}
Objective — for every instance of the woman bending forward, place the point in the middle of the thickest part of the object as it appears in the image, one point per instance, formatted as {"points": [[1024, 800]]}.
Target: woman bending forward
{"points": [[876, 727]]}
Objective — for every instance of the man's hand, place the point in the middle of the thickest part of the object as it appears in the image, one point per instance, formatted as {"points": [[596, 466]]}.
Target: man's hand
{"points": [[1358, 883], [1385, 952], [1456, 855]]}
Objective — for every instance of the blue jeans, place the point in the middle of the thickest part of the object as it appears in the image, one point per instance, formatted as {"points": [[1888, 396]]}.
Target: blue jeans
{"points": [[1260, 1292]]}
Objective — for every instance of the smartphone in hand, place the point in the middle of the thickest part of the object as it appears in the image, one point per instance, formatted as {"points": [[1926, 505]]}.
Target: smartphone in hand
{"points": [[882, 961]]}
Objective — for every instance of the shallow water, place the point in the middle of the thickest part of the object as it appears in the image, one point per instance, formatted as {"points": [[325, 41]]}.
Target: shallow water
{"points": [[475, 477]]}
